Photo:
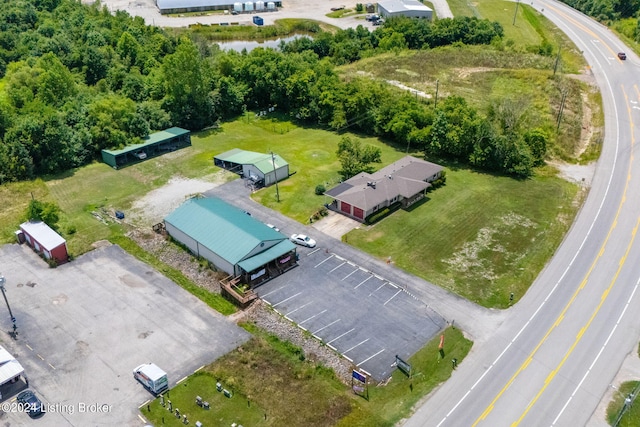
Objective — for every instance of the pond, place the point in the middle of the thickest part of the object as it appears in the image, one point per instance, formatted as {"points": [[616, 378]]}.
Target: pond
{"points": [[239, 45]]}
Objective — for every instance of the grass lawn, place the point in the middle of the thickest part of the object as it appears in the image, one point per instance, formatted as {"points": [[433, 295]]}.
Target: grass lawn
{"points": [[273, 384], [632, 413], [481, 236]]}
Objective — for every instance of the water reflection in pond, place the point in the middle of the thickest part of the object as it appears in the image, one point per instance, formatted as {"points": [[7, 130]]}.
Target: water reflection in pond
{"points": [[239, 45]]}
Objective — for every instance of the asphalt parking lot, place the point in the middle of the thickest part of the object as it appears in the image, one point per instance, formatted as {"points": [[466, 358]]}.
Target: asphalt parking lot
{"points": [[84, 326], [362, 315]]}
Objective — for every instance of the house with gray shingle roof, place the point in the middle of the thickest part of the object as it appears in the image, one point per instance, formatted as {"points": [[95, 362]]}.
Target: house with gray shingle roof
{"points": [[404, 181]]}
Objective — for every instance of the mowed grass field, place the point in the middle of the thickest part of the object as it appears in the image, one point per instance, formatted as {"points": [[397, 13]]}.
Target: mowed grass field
{"points": [[481, 236], [273, 384]]}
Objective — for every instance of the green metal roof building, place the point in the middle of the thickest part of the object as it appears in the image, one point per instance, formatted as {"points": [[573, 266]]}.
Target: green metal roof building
{"points": [[263, 169], [230, 239], [153, 145]]}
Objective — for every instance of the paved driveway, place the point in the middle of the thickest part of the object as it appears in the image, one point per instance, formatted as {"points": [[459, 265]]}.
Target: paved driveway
{"points": [[362, 315], [84, 326]]}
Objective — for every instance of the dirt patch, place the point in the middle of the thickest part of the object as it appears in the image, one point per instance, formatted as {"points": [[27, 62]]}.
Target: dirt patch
{"points": [[580, 174], [157, 204], [464, 73]]}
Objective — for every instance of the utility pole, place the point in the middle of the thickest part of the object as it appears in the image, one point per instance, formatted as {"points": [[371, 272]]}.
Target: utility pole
{"points": [[516, 13], [555, 66], [13, 319], [275, 176], [564, 97], [435, 105]]}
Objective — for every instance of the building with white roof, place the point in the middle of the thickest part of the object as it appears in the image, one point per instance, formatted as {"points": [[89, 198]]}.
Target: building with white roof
{"points": [[44, 240], [409, 8]]}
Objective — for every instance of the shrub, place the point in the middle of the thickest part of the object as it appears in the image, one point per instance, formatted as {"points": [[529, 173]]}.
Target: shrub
{"points": [[382, 213], [320, 190]]}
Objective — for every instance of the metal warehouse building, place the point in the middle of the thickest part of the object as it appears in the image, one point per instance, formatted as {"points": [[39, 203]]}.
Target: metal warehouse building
{"points": [[262, 169], [231, 240], [182, 6], [409, 8], [153, 145]]}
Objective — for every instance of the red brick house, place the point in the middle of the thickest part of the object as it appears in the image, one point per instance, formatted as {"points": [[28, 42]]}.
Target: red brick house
{"points": [[404, 181]]}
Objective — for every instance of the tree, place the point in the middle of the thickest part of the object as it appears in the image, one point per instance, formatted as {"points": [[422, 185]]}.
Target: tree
{"points": [[356, 158], [47, 212], [187, 80]]}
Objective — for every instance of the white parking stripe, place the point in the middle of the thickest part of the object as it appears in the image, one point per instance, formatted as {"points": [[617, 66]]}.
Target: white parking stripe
{"points": [[369, 358], [347, 351], [306, 320], [383, 283], [394, 295], [286, 299], [340, 336], [275, 290], [299, 308], [357, 269], [313, 251], [363, 282], [324, 327], [338, 267], [325, 260]]}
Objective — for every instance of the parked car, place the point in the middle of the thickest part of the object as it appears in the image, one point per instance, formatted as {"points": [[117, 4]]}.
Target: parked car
{"points": [[622, 55], [372, 17], [31, 404], [140, 154], [301, 239], [273, 227], [378, 21]]}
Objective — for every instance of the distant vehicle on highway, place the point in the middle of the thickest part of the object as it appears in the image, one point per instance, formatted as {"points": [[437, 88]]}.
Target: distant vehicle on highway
{"points": [[622, 55], [303, 240]]}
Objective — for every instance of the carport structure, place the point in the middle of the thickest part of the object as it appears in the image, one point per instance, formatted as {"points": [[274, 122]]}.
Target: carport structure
{"points": [[261, 169], [153, 145]]}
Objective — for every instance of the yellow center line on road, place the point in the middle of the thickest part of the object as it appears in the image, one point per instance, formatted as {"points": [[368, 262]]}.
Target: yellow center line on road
{"points": [[562, 314], [606, 292]]}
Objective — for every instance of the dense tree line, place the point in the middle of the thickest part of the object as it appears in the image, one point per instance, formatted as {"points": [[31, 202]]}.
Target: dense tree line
{"points": [[77, 79], [605, 10]]}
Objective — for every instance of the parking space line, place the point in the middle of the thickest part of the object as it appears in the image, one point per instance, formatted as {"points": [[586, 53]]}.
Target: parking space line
{"points": [[324, 327], [306, 320], [340, 336], [394, 295], [275, 290], [323, 261], [299, 308], [347, 351], [383, 283], [41, 358], [363, 282], [340, 258], [286, 299], [313, 251], [335, 268], [52, 367], [357, 269], [394, 285], [369, 358]]}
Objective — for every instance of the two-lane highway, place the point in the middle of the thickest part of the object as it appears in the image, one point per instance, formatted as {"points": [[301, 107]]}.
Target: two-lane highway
{"points": [[551, 361]]}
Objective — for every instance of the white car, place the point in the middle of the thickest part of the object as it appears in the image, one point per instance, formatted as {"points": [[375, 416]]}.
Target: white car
{"points": [[273, 227], [303, 240]]}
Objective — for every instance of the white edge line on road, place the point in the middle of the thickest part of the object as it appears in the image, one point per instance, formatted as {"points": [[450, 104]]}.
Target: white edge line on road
{"points": [[576, 254], [624, 310]]}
